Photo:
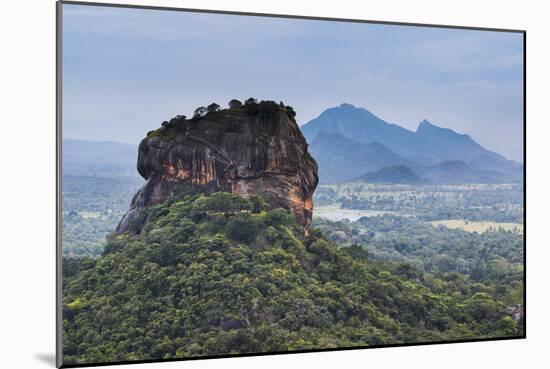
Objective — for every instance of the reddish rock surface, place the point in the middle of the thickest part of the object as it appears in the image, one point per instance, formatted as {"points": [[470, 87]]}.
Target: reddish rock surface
{"points": [[254, 149]]}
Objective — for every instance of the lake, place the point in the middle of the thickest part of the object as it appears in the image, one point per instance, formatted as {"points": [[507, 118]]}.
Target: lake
{"points": [[335, 213]]}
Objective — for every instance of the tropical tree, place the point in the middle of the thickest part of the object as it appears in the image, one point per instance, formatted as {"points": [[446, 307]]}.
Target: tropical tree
{"points": [[212, 107], [291, 111], [200, 112], [235, 104]]}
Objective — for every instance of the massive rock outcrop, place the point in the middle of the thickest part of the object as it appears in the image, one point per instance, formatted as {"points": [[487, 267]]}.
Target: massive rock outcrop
{"points": [[256, 148]]}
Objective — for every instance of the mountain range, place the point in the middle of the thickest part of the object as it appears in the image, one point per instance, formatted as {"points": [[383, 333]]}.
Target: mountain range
{"points": [[348, 143], [351, 143]]}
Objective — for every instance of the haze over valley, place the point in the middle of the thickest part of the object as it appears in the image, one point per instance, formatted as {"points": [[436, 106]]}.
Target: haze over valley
{"points": [[367, 167], [228, 227]]}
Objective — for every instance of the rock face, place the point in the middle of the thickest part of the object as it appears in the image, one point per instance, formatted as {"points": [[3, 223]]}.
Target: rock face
{"points": [[253, 149]]}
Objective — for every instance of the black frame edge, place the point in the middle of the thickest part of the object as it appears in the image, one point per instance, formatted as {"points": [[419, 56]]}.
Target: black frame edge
{"points": [[58, 178]]}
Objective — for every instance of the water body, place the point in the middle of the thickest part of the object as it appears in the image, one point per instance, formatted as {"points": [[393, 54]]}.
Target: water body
{"points": [[335, 213]]}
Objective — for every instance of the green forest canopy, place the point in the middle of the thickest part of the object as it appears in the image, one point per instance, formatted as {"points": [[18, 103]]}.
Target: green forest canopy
{"points": [[223, 274]]}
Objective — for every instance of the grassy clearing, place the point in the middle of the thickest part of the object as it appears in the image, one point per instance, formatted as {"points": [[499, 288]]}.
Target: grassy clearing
{"points": [[478, 227]]}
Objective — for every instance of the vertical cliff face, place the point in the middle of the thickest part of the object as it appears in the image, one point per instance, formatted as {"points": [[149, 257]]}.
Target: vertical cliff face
{"points": [[254, 149]]}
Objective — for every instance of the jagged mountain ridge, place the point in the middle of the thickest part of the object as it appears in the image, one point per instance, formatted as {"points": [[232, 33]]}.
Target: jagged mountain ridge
{"points": [[335, 141], [341, 159], [429, 146], [361, 125]]}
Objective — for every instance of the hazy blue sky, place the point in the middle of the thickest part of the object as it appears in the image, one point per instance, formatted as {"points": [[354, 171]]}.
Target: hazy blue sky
{"points": [[127, 70]]}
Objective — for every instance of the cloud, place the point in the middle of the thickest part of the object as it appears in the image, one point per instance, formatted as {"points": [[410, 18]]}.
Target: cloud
{"points": [[155, 64], [159, 25]]}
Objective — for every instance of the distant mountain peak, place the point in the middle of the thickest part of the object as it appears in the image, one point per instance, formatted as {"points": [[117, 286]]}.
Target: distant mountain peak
{"points": [[425, 126], [347, 133], [427, 123], [356, 110], [347, 106]]}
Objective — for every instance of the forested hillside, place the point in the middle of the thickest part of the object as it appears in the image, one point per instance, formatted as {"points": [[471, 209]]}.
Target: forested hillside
{"points": [[225, 274]]}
